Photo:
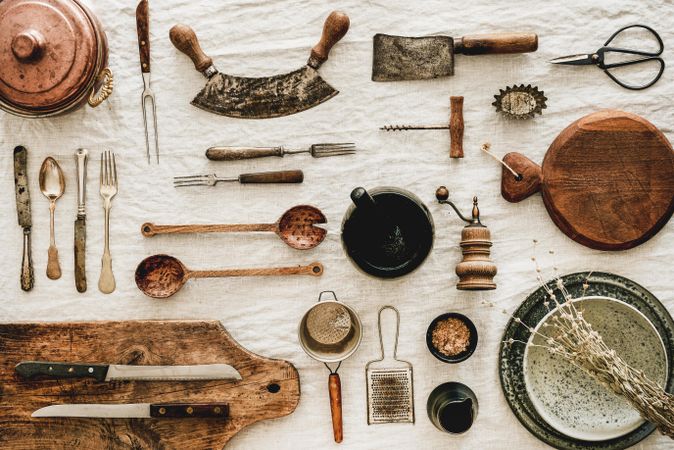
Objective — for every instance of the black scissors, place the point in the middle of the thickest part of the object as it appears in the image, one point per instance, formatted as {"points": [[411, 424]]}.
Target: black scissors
{"points": [[597, 58]]}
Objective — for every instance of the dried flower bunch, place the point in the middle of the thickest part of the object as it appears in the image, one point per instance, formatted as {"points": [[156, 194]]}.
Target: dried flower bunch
{"points": [[570, 336]]}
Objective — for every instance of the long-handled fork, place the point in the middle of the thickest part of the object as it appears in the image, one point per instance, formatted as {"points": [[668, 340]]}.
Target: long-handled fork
{"points": [[143, 28], [106, 283], [283, 176], [316, 150]]}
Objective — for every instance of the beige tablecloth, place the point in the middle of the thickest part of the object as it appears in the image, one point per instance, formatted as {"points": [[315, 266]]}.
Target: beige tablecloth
{"points": [[253, 38]]}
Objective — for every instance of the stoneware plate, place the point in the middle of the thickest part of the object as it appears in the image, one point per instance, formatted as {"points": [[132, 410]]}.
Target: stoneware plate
{"points": [[533, 310], [570, 400]]}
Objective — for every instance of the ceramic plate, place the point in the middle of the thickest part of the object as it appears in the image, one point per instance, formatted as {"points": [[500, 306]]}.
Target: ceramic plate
{"points": [[573, 402], [533, 310]]}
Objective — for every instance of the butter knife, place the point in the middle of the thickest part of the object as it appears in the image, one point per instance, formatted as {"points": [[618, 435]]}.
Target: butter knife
{"points": [[24, 214], [81, 222], [137, 411], [113, 372]]}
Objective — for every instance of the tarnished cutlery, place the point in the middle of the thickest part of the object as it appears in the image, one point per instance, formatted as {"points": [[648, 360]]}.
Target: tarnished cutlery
{"points": [[137, 410], [143, 29], [81, 222], [23, 210], [106, 283], [316, 150], [52, 185], [283, 176]]}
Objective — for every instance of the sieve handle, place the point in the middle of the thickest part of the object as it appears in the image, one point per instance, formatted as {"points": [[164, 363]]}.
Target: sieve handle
{"points": [[335, 388]]}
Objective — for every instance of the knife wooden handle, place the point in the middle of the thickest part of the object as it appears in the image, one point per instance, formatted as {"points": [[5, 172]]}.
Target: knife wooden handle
{"points": [[185, 40], [143, 29], [186, 410], [238, 153], [334, 29], [500, 43], [27, 277], [335, 389], [456, 127], [34, 369], [283, 176]]}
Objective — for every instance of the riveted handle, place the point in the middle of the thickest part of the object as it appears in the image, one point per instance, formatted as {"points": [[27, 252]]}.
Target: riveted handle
{"points": [[456, 127], [238, 153], [35, 369], [335, 389], [187, 410], [529, 179], [185, 40], [500, 43], [283, 176], [334, 29], [143, 29]]}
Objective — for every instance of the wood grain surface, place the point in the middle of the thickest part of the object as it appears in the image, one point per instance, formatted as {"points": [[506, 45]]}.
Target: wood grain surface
{"points": [[607, 180], [250, 400], [456, 127]]}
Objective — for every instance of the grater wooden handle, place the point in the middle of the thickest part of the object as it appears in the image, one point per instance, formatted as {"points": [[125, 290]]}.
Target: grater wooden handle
{"points": [[335, 388]]}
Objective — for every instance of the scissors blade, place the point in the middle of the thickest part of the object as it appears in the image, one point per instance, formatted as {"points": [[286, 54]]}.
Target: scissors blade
{"points": [[575, 60]]}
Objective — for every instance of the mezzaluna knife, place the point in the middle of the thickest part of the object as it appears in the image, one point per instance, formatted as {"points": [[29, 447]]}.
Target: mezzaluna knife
{"points": [[112, 372], [137, 411], [81, 222], [24, 214]]}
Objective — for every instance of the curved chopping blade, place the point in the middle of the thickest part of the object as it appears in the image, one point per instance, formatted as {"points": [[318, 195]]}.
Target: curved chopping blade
{"points": [[261, 98]]}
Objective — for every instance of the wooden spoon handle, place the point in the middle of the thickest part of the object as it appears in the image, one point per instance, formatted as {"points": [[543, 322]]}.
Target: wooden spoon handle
{"points": [[335, 389], [185, 40], [334, 29], [315, 269], [515, 189], [500, 43], [150, 229]]}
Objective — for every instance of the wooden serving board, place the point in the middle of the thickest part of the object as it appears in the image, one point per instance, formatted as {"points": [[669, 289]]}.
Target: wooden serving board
{"points": [[607, 180], [135, 342]]}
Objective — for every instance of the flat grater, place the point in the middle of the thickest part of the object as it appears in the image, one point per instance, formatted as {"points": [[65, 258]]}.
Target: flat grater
{"points": [[390, 389]]}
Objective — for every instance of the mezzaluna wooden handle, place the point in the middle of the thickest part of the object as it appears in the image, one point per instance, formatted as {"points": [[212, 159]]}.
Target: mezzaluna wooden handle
{"points": [[499, 43], [185, 40], [334, 29], [143, 30], [529, 179], [282, 176], [456, 127], [238, 153], [187, 410], [314, 269], [149, 229], [335, 389]]}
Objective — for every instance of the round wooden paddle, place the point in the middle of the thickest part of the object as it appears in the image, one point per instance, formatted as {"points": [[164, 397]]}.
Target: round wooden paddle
{"points": [[607, 180]]}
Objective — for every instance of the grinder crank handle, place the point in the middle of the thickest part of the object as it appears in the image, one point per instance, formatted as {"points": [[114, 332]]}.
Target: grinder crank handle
{"points": [[334, 29], [184, 39], [527, 182], [499, 43], [335, 389]]}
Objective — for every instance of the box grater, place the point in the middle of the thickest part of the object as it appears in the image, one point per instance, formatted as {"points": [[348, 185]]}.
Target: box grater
{"points": [[390, 388]]}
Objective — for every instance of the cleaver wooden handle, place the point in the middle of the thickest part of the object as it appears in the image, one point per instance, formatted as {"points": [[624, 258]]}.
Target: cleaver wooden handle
{"points": [[185, 40], [500, 43]]}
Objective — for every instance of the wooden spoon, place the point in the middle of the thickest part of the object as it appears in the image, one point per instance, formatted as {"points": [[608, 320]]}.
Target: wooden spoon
{"points": [[161, 276], [295, 227], [52, 185]]}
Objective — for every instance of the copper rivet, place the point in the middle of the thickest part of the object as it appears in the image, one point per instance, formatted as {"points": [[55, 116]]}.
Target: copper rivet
{"points": [[190, 410], [217, 410], [162, 410], [71, 369], [142, 42]]}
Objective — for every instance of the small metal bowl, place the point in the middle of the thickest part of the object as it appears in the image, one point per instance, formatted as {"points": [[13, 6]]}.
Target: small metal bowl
{"points": [[464, 355]]}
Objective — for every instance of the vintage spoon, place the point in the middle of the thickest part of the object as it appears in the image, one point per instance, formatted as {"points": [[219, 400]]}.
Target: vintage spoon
{"points": [[52, 185], [295, 227], [161, 276]]}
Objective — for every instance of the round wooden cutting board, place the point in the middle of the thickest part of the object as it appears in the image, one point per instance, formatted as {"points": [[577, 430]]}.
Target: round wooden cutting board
{"points": [[607, 180]]}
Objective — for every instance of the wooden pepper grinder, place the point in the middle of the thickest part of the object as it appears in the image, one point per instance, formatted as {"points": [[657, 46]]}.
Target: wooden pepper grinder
{"points": [[476, 272]]}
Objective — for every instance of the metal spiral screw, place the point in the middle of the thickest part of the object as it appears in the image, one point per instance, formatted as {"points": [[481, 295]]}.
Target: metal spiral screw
{"points": [[413, 127]]}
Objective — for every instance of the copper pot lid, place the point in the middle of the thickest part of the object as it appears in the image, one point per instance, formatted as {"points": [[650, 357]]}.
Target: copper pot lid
{"points": [[48, 52]]}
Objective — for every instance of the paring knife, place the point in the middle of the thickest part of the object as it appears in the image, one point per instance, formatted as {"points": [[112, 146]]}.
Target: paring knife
{"points": [[137, 410], [23, 210], [111, 372], [81, 222]]}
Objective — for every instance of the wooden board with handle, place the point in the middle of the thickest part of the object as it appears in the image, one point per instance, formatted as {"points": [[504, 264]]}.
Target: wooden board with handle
{"points": [[607, 180], [269, 388]]}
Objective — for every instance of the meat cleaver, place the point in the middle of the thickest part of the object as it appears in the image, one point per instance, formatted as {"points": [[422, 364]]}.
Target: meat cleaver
{"points": [[398, 58], [264, 97]]}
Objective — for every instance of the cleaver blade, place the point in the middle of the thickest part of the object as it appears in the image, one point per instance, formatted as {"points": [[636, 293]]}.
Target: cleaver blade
{"points": [[398, 58]]}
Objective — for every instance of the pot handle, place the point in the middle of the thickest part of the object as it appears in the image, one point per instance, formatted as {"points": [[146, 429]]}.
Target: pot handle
{"points": [[96, 98], [334, 296]]}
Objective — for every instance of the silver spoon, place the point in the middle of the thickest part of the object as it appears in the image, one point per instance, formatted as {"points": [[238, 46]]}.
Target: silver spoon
{"points": [[52, 185]]}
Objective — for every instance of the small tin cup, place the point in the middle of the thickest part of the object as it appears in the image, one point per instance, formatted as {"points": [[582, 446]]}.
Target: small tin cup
{"points": [[464, 355]]}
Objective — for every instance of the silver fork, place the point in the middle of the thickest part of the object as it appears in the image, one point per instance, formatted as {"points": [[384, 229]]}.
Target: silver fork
{"points": [[316, 150], [149, 95], [106, 283]]}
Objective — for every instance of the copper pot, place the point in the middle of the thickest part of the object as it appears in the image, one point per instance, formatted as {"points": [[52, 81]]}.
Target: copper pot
{"points": [[53, 57]]}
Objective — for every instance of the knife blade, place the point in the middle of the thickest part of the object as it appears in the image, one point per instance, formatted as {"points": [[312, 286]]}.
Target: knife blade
{"points": [[112, 372], [81, 222], [24, 214], [137, 410]]}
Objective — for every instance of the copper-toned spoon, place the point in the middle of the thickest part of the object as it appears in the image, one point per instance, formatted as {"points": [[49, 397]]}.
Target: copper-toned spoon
{"points": [[161, 276], [296, 227], [52, 185]]}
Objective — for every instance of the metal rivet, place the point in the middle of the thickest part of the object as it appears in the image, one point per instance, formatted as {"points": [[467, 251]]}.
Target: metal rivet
{"points": [[91, 370], [51, 368], [71, 369], [162, 410], [190, 410], [145, 65], [217, 410], [142, 42]]}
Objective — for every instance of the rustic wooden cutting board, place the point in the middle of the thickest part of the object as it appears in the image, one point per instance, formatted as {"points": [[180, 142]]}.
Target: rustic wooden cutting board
{"points": [[607, 180], [135, 342]]}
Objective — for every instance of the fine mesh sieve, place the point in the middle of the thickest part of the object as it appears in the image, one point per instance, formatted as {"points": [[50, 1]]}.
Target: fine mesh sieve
{"points": [[328, 324]]}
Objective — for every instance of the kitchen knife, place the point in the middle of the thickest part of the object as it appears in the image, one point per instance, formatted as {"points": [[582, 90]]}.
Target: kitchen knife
{"points": [[112, 372], [81, 222], [24, 214], [397, 58], [137, 411]]}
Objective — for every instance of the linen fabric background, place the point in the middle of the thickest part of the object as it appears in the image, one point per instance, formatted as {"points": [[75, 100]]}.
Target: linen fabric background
{"points": [[257, 38]]}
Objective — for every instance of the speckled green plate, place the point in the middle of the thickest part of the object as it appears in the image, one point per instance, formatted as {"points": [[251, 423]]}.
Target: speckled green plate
{"points": [[533, 310]]}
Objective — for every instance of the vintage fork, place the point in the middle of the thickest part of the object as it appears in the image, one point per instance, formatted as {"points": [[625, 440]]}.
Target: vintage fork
{"points": [[143, 29], [316, 150], [106, 283], [282, 176]]}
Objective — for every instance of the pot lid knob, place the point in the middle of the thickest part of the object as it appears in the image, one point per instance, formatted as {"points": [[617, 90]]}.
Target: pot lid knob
{"points": [[28, 46]]}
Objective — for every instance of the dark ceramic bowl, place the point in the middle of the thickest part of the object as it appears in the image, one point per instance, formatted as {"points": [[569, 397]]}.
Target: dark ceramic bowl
{"points": [[464, 355]]}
